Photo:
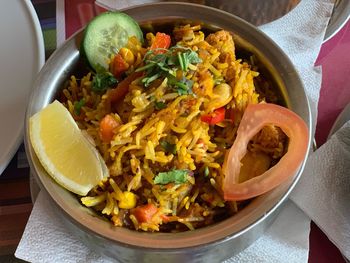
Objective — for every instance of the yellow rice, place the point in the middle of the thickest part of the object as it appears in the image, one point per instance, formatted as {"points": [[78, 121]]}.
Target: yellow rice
{"points": [[134, 156]]}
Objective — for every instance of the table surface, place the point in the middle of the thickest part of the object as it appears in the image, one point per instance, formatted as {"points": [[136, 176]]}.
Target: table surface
{"points": [[15, 202]]}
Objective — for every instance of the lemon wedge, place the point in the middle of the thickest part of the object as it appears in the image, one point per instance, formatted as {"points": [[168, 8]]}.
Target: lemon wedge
{"points": [[63, 150]]}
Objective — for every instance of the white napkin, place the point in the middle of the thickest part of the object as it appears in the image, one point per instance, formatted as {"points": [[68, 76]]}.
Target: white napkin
{"points": [[46, 239], [300, 34], [323, 193]]}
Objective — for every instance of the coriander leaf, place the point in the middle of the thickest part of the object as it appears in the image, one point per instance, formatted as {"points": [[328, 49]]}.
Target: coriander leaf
{"points": [[159, 105], [103, 81], [168, 147], [148, 80], [173, 176], [150, 65], [181, 89], [193, 57], [181, 61], [164, 64], [188, 82], [171, 60], [183, 86], [78, 105], [186, 58]]}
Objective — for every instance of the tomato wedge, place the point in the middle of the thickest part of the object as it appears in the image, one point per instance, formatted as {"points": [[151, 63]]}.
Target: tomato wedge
{"points": [[161, 41], [213, 118], [254, 119]]}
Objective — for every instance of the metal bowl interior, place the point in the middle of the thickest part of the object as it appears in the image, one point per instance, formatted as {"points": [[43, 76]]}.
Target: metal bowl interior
{"points": [[232, 234]]}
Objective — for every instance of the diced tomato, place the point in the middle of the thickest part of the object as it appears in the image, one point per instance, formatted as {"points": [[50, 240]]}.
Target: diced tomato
{"points": [[122, 88], [118, 66], [107, 126], [217, 116], [161, 41], [254, 119], [144, 213]]}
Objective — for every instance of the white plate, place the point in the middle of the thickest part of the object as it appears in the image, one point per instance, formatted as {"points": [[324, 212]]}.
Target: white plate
{"points": [[21, 57]]}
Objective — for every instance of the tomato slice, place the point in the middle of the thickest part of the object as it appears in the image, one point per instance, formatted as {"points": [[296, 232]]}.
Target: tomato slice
{"points": [[254, 119], [161, 40], [217, 116]]}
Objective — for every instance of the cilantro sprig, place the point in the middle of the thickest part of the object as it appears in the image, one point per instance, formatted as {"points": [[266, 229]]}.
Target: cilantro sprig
{"points": [[183, 86], [78, 105], [168, 147], [165, 64], [102, 81], [159, 105], [186, 58]]}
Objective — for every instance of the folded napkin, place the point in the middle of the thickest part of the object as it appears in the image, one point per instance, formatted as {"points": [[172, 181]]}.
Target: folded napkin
{"points": [[323, 192], [300, 34], [46, 239]]}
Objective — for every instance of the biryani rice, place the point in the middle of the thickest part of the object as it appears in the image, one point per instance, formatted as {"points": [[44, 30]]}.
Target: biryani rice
{"points": [[135, 154]]}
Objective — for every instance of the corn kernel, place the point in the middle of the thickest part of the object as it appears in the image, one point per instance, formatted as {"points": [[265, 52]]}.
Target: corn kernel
{"points": [[128, 200], [127, 55]]}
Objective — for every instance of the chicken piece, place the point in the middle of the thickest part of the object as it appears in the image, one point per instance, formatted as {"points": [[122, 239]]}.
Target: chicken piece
{"points": [[253, 164], [270, 136], [223, 41], [270, 140]]}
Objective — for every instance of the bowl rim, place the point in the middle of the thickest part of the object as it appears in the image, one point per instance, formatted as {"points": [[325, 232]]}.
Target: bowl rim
{"points": [[178, 237]]}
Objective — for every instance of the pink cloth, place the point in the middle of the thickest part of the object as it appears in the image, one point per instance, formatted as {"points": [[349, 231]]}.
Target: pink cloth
{"points": [[335, 92]]}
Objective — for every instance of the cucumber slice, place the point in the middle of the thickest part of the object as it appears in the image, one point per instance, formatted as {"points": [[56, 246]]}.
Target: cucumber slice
{"points": [[105, 35]]}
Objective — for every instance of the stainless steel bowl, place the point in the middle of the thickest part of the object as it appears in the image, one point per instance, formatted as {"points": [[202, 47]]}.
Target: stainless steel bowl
{"points": [[210, 244]]}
